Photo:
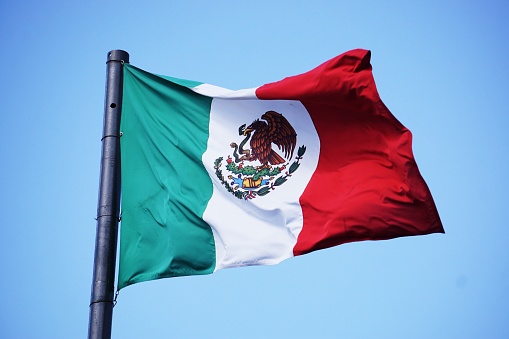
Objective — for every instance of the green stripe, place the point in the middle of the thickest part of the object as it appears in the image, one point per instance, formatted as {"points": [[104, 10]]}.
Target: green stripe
{"points": [[182, 82], [165, 188]]}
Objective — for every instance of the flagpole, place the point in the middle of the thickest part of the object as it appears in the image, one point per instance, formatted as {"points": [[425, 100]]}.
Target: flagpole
{"points": [[108, 207]]}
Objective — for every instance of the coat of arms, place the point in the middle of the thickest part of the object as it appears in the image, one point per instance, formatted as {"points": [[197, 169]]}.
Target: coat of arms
{"points": [[257, 170]]}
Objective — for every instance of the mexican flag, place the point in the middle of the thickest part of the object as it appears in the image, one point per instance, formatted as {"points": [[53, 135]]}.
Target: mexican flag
{"points": [[214, 178]]}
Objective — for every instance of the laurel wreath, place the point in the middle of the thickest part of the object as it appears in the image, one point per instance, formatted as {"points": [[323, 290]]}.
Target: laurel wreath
{"points": [[250, 170]]}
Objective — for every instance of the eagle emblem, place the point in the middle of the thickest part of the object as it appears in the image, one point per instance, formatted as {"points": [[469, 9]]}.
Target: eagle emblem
{"points": [[257, 170]]}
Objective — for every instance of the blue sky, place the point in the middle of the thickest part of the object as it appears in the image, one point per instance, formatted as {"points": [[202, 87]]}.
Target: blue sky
{"points": [[440, 67]]}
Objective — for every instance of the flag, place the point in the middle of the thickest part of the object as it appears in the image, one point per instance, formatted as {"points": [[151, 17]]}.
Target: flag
{"points": [[215, 178]]}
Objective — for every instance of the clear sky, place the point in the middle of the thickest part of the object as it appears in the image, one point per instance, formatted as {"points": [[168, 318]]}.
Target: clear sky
{"points": [[441, 68]]}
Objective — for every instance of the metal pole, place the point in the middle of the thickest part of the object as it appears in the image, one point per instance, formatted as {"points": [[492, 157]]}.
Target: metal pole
{"points": [[108, 208]]}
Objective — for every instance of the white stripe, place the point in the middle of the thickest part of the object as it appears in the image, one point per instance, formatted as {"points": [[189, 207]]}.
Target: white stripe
{"points": [[263, 230], [219, 92]]}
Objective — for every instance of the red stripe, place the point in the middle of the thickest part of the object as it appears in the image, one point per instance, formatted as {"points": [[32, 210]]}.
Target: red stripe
{"points": [[367, 185]]}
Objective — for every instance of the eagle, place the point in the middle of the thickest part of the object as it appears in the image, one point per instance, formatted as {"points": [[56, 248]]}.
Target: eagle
{"points": [[276, 130]]}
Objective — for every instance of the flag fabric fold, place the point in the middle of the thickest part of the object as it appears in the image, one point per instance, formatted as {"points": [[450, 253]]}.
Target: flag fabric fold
{"points": [[214, 178]]}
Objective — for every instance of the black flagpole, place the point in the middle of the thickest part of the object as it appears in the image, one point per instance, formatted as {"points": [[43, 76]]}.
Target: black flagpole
{"points": [[108, 207]]}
